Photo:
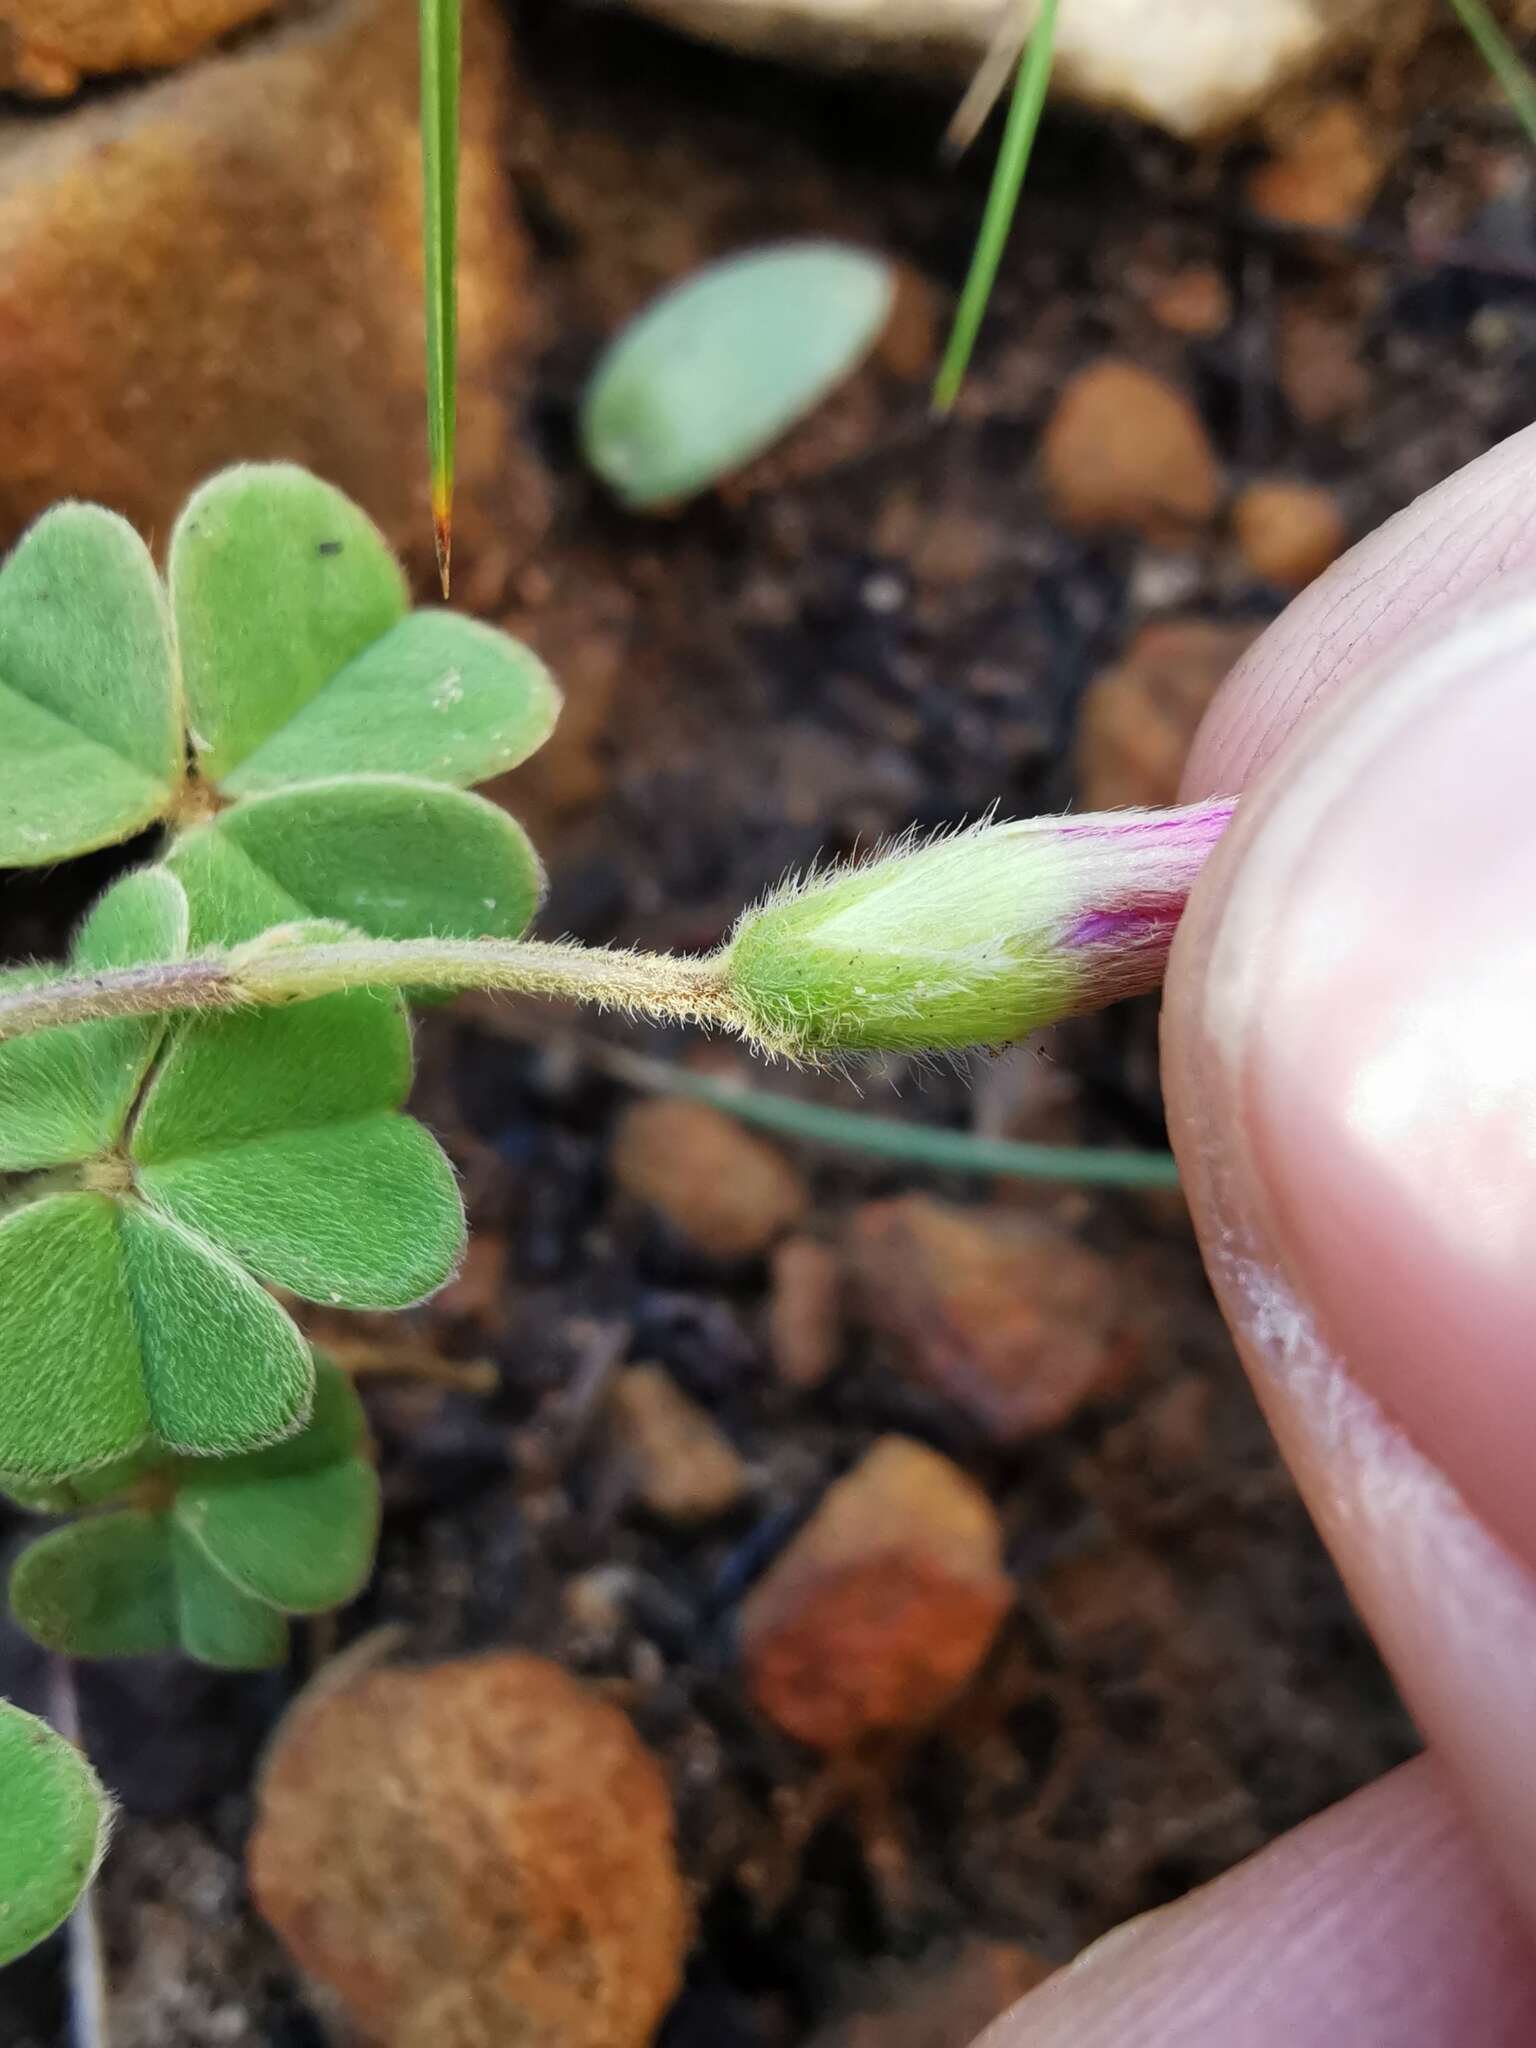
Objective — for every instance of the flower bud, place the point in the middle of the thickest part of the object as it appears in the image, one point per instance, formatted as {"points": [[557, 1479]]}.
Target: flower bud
{"points": [[974, 939]]}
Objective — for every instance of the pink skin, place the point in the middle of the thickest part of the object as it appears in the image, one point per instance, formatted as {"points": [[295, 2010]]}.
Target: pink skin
{"points": [[1350, 1059]]}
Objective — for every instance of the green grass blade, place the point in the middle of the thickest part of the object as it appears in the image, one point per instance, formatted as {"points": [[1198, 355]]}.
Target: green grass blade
{"points": [[1502, 59], [881, 1137], [440, 65], [1007, 181]]}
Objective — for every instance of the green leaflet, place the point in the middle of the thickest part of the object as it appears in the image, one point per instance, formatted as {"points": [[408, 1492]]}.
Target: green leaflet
{"points": [[226, 1550], [276, 581], [394, 856], [439, 696], [90, 723], [120, 1328], [64, 1094], [276, 1134], [720, 366], [54, 1819]]}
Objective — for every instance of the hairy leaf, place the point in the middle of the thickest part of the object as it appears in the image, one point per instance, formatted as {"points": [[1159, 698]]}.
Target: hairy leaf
{"points": [[439, 696], [54, 1820], [301, 1542], [393, 856], [277, 581], [90, 725], [276, 1135], [119, 1328], [725, 362], [64, 1095]]}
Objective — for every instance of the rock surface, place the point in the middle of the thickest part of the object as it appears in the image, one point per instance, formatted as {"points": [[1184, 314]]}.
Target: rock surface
{"points": [[1139, 718], [1327, 172], [1012, 1319], [720, 1187], [1196, 67], [883, 1606], [48, 46], [805, 1312], [1124, 448], [1288, 531], [474, 1854], [686, 1469], [225, 265]]}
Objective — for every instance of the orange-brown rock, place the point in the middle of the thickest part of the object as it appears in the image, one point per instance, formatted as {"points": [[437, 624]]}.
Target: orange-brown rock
{"points": [[1139, 718], [1318, 363], [685, 1468], [1125, 448], [1288, 531], [881, 1609], [48, 46], [805, 1311], [473, 1854], [1009, 1317], [718, 1186], [1193, 301], [225, 265], [1326, 172]]}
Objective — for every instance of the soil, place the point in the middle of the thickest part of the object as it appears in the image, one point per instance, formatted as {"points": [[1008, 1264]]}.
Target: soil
{"points": [[883, 625]]}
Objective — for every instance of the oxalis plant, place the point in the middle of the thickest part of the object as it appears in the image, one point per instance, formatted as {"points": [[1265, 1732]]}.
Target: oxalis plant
{"points": [[205, 1102]]}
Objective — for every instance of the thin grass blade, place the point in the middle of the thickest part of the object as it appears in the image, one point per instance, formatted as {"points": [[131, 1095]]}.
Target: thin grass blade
{"points": [[1007, 182], [1502, 59], [441, 36]]}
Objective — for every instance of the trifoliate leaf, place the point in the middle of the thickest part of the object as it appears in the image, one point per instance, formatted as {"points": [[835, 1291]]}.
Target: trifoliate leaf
{"points": [[90, 724], [119, 1327], [393, 856], [133, 1584], [277, 582], [214, 1551], [54, 1820], [439, 696], [724, 363], [276, 1134], [65, 1094]]}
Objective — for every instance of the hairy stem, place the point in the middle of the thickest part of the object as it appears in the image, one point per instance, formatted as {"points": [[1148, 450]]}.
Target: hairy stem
{"points": [[649, 984]]}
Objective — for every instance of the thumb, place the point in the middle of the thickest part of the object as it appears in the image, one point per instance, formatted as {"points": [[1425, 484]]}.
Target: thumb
{"points": [[1350, 1056]]}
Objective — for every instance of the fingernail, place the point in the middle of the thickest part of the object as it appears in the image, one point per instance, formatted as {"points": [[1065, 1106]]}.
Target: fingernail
{"points": [[1370, 994]]}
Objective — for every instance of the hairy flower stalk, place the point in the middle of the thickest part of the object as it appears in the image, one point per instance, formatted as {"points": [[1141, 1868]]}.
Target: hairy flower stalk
{"points": [[974, 939]]}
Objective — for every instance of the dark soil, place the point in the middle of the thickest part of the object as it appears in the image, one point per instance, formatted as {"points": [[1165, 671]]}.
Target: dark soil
{"points": [[884, 626]]}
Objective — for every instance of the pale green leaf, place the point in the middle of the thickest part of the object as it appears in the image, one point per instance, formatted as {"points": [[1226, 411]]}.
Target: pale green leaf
{"points": [[119, 1327], [277, 581], [439, 696], [90, 726], [54, 1819], [723, 364], [65, 1094], [274, 1134], [393, 856]]}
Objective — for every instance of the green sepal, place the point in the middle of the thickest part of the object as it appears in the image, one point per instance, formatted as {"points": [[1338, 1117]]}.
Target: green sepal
{"points": [[276, 1134], [65, 1094], [393, 856], [54, 1823], [90, 718], [440, 696], [120, 1328], [277, 582]]}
